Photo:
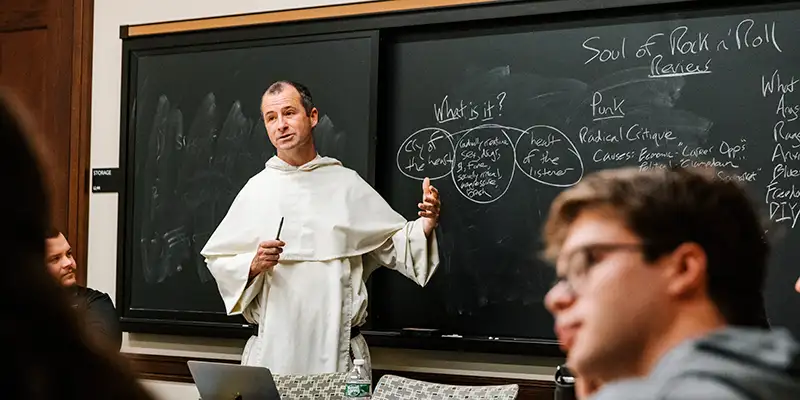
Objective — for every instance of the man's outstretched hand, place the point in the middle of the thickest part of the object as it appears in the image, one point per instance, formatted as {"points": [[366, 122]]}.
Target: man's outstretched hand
{"points": [[429, 208]]}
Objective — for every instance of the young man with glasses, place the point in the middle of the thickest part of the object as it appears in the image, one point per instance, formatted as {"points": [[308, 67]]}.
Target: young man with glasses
{"points": [[659, 290]]}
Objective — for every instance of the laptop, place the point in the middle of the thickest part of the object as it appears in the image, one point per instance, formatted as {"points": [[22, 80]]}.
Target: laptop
{"points": [[222, 381]]}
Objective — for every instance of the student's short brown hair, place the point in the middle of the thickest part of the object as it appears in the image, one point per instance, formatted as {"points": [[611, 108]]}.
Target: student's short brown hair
{"points": [[53, 232], [668, 207]]}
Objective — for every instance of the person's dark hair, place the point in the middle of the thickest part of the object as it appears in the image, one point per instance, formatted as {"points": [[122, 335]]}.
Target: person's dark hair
{"points": [[49, 353], [668, 207], [305, 94], [53, 232]]}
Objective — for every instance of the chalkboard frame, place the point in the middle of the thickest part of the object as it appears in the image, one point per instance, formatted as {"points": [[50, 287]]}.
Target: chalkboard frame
{"points": [[200, 324], [388, 25]]}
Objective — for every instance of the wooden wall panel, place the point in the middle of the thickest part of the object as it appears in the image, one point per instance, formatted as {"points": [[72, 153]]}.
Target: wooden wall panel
{"points": [[22, 69], [23, 14], [45, 54]]}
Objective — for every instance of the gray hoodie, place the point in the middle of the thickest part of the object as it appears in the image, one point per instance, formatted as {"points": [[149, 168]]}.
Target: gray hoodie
{"points": [[730, 364]]}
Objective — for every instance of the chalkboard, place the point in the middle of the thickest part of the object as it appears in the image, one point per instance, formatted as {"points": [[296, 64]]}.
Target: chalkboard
{"points": [[503, 105], [197, 136], [504, 118]]}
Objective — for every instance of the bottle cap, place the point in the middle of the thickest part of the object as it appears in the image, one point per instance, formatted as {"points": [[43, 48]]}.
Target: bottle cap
{"points": [[358, 361]]}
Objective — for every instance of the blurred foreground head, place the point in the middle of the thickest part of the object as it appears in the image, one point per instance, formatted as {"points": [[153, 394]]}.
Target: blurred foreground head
{"points": [[647, 259], [49, 353]]}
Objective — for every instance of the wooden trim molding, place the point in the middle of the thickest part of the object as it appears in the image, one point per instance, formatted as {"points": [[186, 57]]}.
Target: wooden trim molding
{"points": [[80, 132], [174, 369], [303, 14]]}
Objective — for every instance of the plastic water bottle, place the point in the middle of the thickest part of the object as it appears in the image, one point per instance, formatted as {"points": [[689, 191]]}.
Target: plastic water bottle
{"points": [[358, 385], [565, 384]]}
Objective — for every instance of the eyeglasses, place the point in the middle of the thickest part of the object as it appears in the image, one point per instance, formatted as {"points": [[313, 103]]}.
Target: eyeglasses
{"points": [[579, 261]]}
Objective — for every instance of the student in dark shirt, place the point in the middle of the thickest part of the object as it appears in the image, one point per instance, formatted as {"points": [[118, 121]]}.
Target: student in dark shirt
{"points": [[96, 307]]}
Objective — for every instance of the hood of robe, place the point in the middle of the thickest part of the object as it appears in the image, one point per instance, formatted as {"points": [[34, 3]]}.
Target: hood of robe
{"points": [[276, 163]]}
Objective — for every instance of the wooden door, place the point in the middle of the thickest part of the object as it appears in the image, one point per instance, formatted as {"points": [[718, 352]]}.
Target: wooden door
{"points": [[45, 57]]}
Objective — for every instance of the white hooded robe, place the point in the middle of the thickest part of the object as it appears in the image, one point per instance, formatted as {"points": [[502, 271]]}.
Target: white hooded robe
{"points": [[337, 230]]}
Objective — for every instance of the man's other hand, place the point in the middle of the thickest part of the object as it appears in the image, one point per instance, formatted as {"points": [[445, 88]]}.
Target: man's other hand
{"points": [[266, 257]]}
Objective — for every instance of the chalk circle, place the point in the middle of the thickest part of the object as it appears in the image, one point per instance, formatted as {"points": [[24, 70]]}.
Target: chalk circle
{"points": [[548, 156], [483, 167], [428, 152]]}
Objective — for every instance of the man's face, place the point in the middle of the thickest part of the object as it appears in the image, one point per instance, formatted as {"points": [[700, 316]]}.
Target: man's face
{"points": [[288, 125], [615, 301], [60, 262]]}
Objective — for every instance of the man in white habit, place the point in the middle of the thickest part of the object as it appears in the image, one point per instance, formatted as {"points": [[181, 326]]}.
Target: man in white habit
{"points": [[306, 291]]}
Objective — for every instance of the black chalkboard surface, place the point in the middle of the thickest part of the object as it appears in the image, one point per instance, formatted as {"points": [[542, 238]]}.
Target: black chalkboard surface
{"points": [[198, 136], [504, 118]]}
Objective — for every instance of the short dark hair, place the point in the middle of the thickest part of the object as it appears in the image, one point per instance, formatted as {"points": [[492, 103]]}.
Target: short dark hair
{"points": [[53, 232], [305, 94], [668, 207]]}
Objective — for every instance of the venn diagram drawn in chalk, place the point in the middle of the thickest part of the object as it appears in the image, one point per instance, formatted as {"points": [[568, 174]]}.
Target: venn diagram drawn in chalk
{"points": [[482, 160]]}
